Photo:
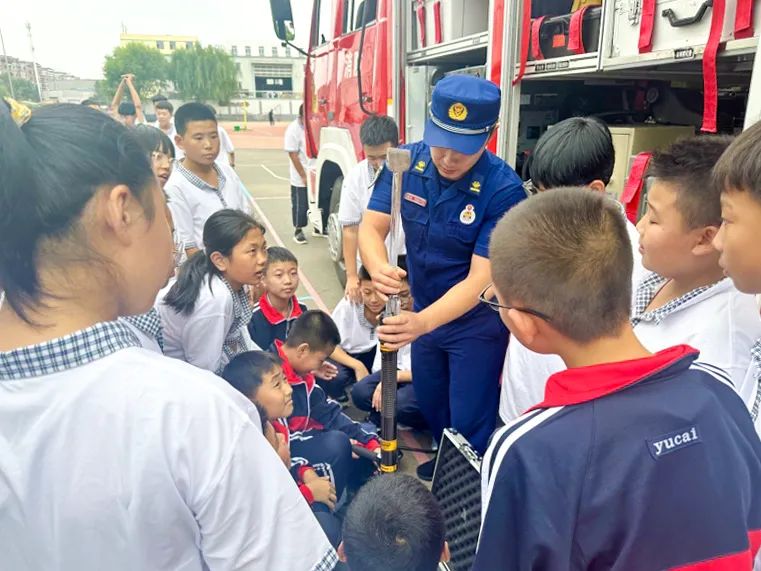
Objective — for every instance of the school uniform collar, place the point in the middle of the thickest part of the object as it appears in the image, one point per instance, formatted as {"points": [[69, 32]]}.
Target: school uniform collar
{"points": [[273, 316], [197, 181], [68, 352], [364, 322], [241, 307], [755, 357], [292, 376], [150, 324], [651, 285], [584, 384]]}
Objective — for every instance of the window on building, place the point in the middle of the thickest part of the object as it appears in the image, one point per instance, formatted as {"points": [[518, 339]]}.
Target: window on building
{"points": [[172, 45], [234, 50], [287, 52], [323, 26], [274, 51], [248, 50], [261, 51], [159, 45], [188, 45]]}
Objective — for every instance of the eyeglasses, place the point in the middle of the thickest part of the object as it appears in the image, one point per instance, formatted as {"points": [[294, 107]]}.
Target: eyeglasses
{"points": [[496, 306]]}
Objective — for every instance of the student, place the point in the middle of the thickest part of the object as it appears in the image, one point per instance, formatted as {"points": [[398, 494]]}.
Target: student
{"points": [[633, 460], [226, 154], [377, 134], [394, 524], [258, 375], [158, 147], [687, 298], [575, 152], [295, 146], [127, 113], [278, 308], [320, 432], [206, 311], [198, 186], [737, 175], [164, 121], [366, 394], [148, 462]]}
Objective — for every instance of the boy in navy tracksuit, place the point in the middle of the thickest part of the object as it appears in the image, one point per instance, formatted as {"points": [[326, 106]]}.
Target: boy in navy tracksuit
{"points": [[319, 432], [633, 461], [278, 307]]}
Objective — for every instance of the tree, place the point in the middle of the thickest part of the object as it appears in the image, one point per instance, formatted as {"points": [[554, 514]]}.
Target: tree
{"points": [[24, 89], [204, 74], [149, 66]]}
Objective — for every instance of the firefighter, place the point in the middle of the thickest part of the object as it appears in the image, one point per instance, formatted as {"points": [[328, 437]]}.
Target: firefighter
{"points": [[452, 196]]}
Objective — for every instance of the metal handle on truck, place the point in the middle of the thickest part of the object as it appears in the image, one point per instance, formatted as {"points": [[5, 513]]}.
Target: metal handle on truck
{"points": [[681, 22]]}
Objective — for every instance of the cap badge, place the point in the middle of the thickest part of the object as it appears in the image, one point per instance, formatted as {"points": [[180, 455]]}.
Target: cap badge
{"points": [[458, 112], [468, 215]]}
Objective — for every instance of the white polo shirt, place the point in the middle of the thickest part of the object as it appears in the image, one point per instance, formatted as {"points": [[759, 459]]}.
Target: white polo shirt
{"points": [[147, 329], [215, 331], [357, 334], [295, 142], [355, 194], [114, 457], [719, 321], [525, 372], [192, 201], [225, 146], [403, 359]]}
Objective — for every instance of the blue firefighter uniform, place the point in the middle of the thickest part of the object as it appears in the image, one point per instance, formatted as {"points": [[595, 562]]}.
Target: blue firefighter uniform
{"points": [[456, 368]]}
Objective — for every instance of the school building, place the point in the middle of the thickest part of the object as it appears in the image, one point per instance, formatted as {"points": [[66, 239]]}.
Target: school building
{"points": [[166, 44]]}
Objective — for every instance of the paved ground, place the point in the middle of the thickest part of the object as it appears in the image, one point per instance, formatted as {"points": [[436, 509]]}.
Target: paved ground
{"points": [[263, 167]]}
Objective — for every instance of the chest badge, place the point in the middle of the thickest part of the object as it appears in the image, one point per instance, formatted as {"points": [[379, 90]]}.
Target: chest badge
{"points": [[420, 166], [468, 215], [475, 187], [415, 199]]}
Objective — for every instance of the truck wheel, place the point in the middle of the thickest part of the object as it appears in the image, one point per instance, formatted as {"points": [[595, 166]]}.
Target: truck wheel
{"points": [[335, 241]]}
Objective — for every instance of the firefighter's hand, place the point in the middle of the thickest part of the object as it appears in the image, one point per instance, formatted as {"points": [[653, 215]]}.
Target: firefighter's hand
{"points": [[400, 330], [388, 280]]}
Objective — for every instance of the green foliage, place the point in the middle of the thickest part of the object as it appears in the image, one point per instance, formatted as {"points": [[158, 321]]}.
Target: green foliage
{"points": [[148, 65], [24, 89], [204, 74]]}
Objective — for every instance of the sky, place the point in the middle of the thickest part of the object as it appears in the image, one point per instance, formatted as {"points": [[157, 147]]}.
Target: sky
{"points": [[75, 36]]}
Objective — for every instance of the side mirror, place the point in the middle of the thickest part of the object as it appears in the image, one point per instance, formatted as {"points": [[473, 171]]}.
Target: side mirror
{"points": [[282, 19]]}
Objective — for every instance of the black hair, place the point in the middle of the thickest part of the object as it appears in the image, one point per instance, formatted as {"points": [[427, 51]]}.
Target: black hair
{"points": [[316, 329], [153, 140], [279, 254], [157, 98], [190, 112], [88, 101], [688, 165], [50, 168], [222, 232], [377, 130], [393, 524], [301, 110], [363, 274], [574, 152], [165, 105], [739, 168], [246, 371], [127, 108]]}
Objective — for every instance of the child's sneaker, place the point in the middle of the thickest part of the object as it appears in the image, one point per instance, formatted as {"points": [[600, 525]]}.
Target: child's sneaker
{"points": [[299, 237]]}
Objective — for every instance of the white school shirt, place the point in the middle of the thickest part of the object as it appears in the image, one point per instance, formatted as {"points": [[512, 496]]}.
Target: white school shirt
{"points": [[192, 201], [525, 373], [719, 321], [403, 359], [215, 331], [357, 334], [295, 142], [147, 330], [355, 194], [114, 457], [752, 384], [225, 147]]}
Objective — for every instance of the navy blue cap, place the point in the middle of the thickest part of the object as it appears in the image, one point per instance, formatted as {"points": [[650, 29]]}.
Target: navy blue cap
{"points": [[463, 111]]}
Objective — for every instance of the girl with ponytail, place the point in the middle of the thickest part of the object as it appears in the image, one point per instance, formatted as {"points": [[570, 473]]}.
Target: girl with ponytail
{"points": [[205, 313], [106, 463]]}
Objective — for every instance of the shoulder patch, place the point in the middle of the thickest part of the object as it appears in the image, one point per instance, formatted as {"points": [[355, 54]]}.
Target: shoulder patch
{"points": [[673, 441]]}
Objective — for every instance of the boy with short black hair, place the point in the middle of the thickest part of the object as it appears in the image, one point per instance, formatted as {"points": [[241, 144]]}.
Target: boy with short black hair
{"points": [[377, 134], [394, 524], [198, 186], [575, 152], [278, 308], [320, 432], [164, 120], [586, 478], [737, 175]]}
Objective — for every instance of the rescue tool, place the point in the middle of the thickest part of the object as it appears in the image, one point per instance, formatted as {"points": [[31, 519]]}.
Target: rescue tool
{"points": [[398, 161]]}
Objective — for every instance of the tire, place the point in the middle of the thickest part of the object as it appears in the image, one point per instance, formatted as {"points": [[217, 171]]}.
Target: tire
{"points": [[335, 237]]}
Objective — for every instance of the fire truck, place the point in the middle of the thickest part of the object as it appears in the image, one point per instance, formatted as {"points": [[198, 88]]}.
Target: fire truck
{"points": [[653, 70]]}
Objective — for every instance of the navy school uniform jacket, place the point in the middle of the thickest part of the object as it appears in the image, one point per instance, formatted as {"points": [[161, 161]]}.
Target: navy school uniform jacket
{"points": [[635, 466], [268, 324], [312, 410]]}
